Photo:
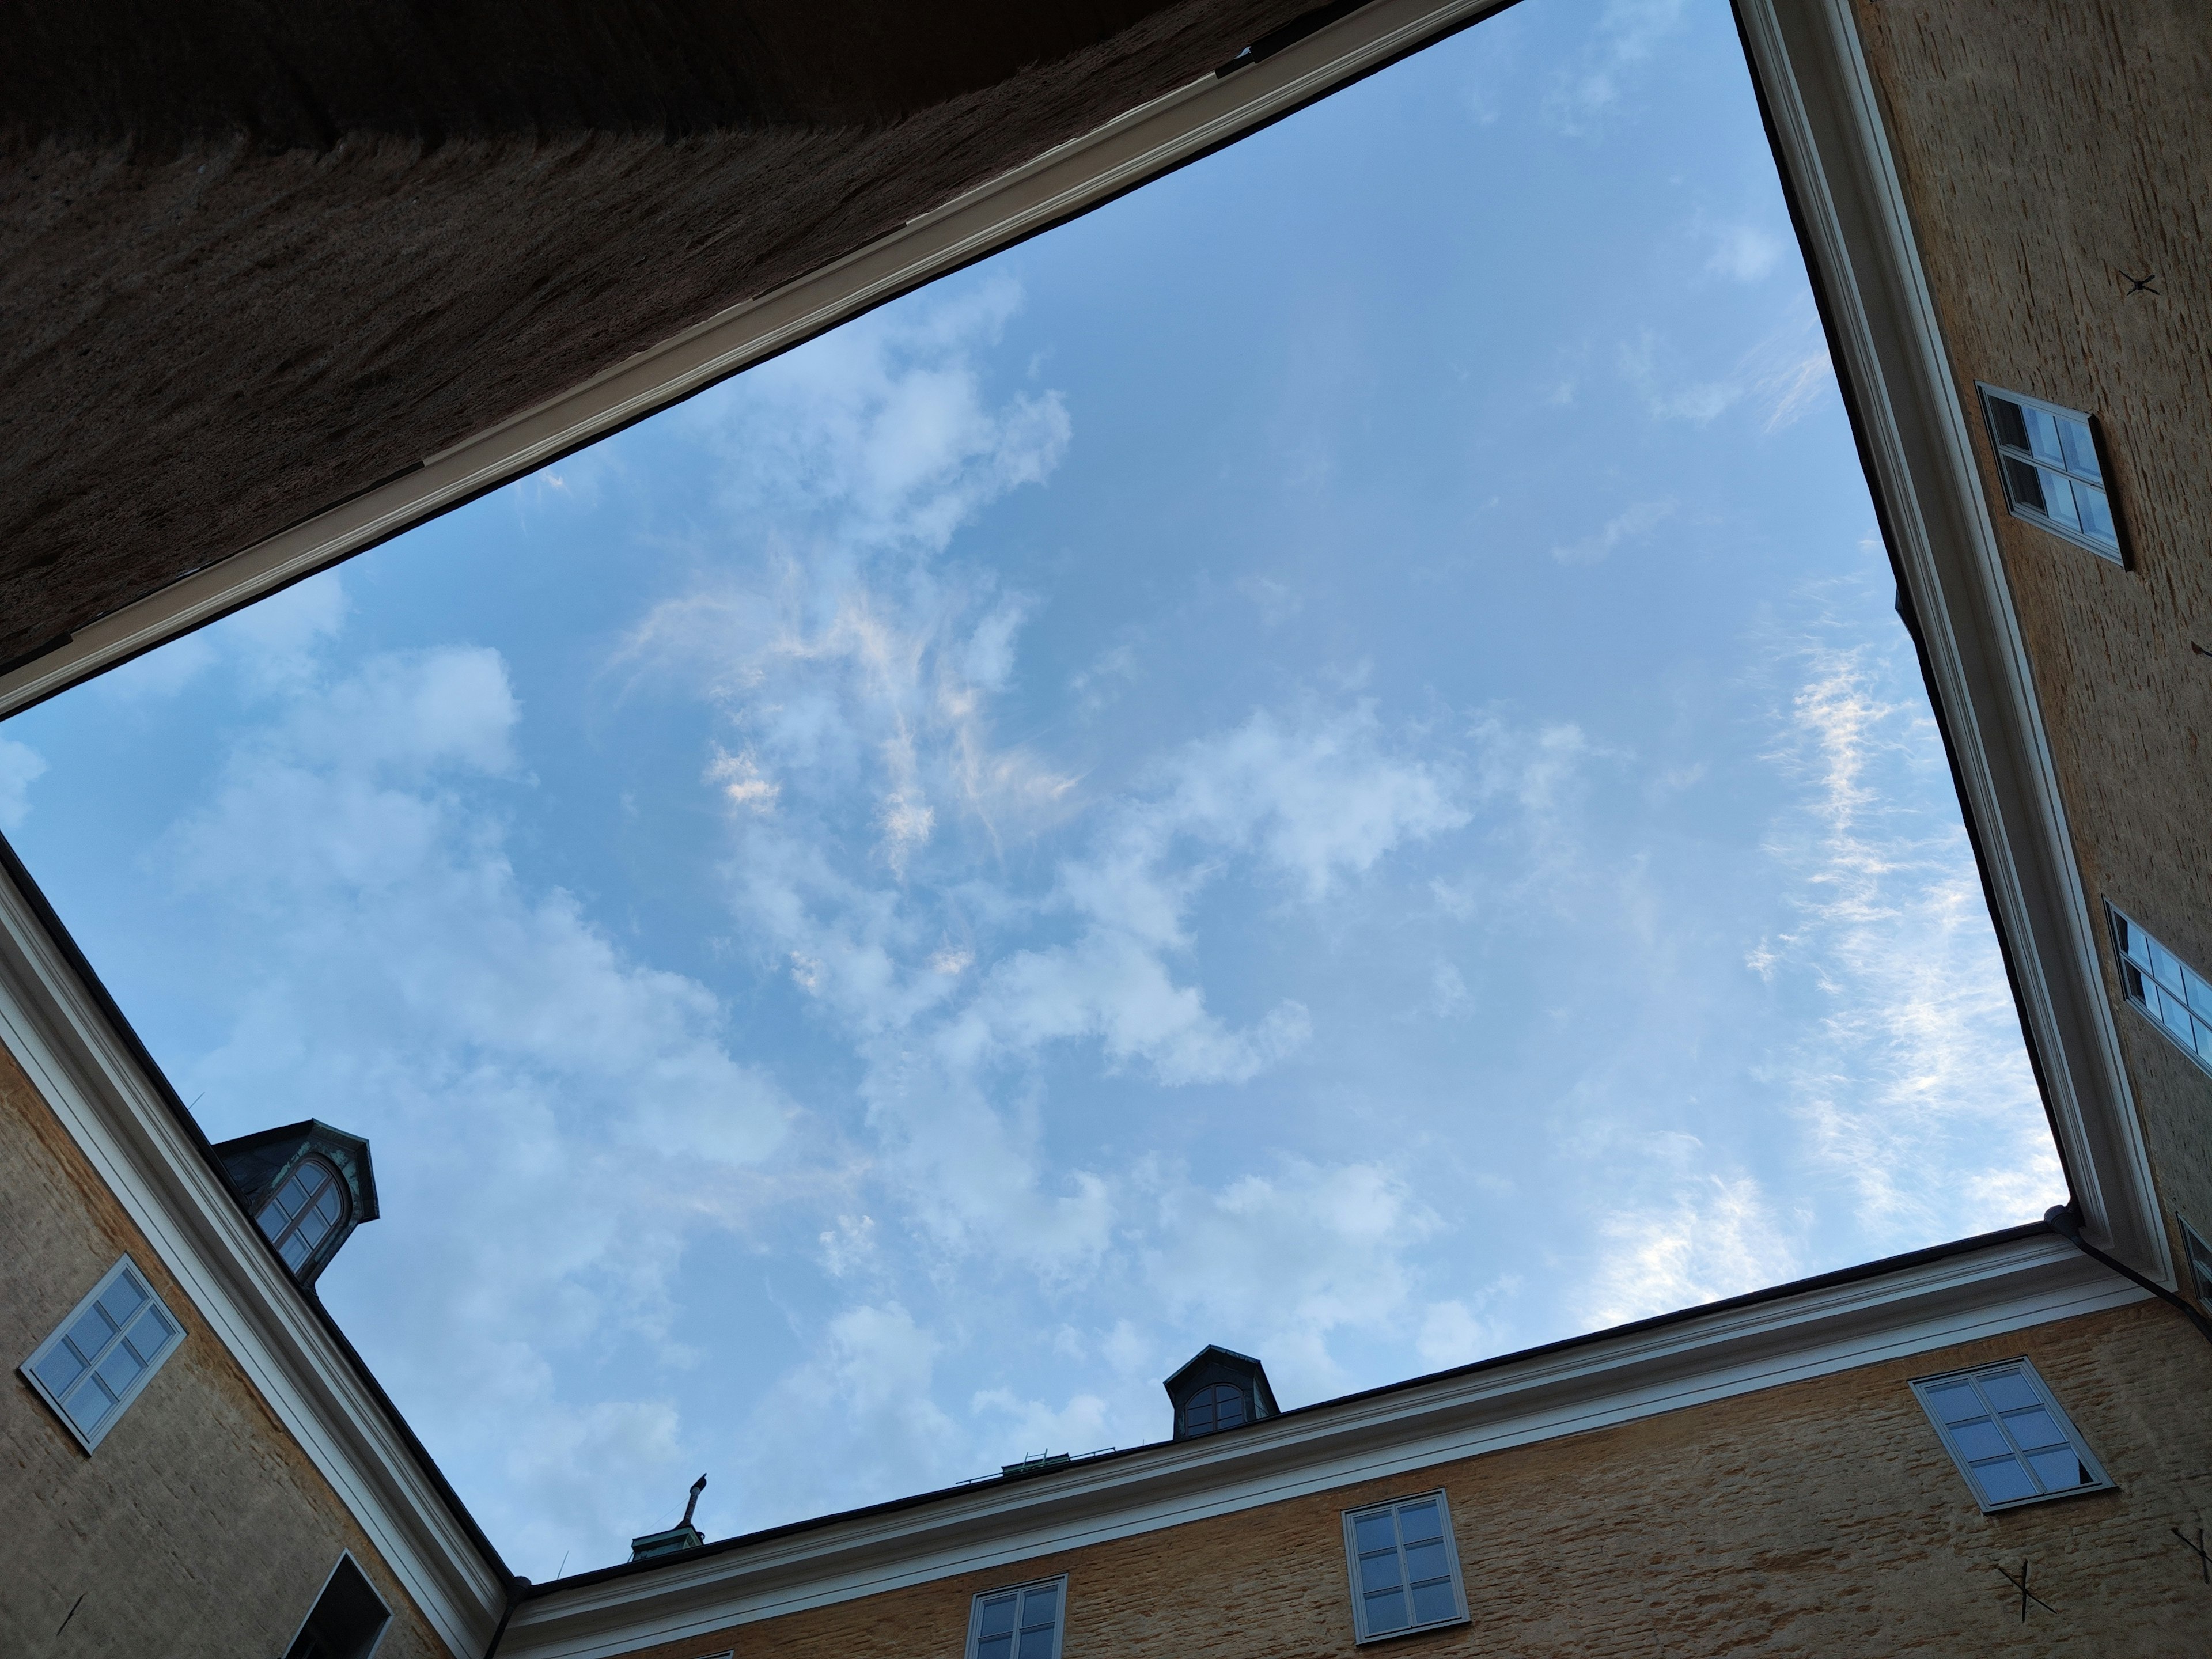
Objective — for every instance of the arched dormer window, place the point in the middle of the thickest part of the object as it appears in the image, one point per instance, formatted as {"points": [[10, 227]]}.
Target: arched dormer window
{"points": [[1220, 1407], [305, 1211]]}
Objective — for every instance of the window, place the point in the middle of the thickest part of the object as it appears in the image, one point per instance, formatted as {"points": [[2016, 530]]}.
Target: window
{"points": [[107, 1351], [347, 1621], [1021, 1623], [2052, 474], [304, 1212], [1221, 1406], [2174, 995], [2200, 1261], [2008, 1436], [1405, 1567]]}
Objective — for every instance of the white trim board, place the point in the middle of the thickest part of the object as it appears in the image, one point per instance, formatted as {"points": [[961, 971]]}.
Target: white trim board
{"points": [[1148, 140], [116, 1115], [1619, 1379], [1835, 155]]}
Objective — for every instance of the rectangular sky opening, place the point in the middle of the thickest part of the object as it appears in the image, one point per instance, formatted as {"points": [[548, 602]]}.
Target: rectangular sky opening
{"points": [[1319, 760]]}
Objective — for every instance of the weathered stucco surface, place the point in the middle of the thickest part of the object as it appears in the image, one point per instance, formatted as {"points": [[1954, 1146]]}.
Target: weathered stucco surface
{"points": [[198, 1526], [1822, 1518], [2052, 152], [236, 289]]}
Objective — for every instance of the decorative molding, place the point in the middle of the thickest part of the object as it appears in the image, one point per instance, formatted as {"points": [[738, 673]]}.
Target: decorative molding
{"points": [[1152, 139], [1611, 1378], [57, 1032], [1835, 153]]}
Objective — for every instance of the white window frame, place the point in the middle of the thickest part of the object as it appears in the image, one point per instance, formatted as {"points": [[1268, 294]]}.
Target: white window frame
{"points": [[90, 1435], [1390, 1506], [345, 1559], [2117, 553], [1018, 1592], [2173, 997], [2024, 1369], [2198, 1251]]}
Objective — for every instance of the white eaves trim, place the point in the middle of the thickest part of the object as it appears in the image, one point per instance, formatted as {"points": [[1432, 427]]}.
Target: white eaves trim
{"points": [[1642, 1373], [1146, 142], [1834, 151], [116, 1115]]}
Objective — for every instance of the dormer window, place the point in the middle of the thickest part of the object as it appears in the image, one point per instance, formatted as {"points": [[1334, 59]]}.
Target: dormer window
{"points": [[304, 1212], [307, 1186], [1218, 1389], [1219, 1406]]}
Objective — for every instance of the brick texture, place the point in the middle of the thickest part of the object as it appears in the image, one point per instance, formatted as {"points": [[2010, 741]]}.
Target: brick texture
{"points": [[1820, 1517], [199, 1527]]}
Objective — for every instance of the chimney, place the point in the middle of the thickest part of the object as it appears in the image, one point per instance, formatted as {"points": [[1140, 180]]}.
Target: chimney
{"points": [[681, 1537]]}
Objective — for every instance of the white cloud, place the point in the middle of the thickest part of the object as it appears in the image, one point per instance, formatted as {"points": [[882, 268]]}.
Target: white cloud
{"points": [[1743, 253], [1912, 1080], [1783, 373], [1628, 35], [1633, 523], [553, 1121], [20, 766], [1716, 1237]]}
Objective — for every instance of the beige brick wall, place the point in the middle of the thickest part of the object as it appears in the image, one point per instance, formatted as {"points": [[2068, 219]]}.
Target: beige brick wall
{"points": [[2047, 147], [198, 1526], [1821, 1517]]}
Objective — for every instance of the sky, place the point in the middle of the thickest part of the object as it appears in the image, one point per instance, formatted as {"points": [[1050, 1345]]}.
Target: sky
{"points": [[1318, 760]]}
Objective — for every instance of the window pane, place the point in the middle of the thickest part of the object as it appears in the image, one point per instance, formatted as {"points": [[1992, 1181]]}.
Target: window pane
{"points": [[120, 1368], [1036, 1644], [293, 1196], [1374, 1532], [1434, 1602], [59, 1369], [1980, 1438], [2033, 1430], [2011, 429], [2199, 992], [2060, 1470], [995, 1647], [2059, 499], [1229, 1410], [91, 1404], [148, 1335], [2003, 1479], [2096, 514], [270, 1220], [1419, 1520], [2131, 942], [2081, 452], [1040, 1606], [122, 1299], [2008, 1390], [2175, 1018], [1426, 1561], [1386, 1611], [1378, 1571], [2024, 482], [997, 1615], [2042, 435], [1954, 1402], [295, 1251], [91, 1332]]}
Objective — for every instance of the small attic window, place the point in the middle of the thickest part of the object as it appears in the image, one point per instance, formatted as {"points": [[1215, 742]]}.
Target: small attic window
{"points": [[304, 1212], [1220, 1407], [2004, 1429], [2053, 472]]}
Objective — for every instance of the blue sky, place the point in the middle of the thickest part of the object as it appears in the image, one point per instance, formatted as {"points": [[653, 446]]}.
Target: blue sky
{"points": [[1319, 760]]}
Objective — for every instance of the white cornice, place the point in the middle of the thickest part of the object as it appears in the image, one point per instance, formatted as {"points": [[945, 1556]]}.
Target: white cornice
{"points": [[1835, 154], [1594, 1384], [118, 1118], [1146, 142]]}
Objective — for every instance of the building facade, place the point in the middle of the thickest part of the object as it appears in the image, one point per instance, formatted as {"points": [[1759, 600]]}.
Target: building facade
{"points": [[1999, 1446]]}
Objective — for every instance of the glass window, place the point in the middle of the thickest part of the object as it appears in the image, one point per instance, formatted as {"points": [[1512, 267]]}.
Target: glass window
{"points": [[105, 1353], [346, 1620], [304, 1212], [2176, 997], [1220, 1407], [2047, 456], [1404, 1566], [2008, 1436], [2200, 1261], [1023, 1622]]}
